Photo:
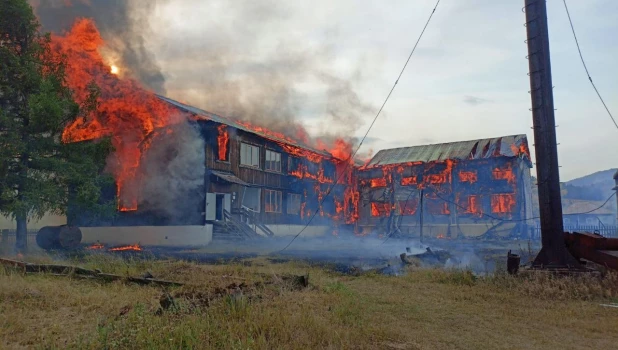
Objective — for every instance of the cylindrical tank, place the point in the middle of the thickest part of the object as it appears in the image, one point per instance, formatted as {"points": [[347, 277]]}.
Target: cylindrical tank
{"points": [[59, 237]]}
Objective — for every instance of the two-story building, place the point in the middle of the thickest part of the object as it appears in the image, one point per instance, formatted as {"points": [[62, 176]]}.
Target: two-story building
{"points": [[253, 176], [468, 188]]}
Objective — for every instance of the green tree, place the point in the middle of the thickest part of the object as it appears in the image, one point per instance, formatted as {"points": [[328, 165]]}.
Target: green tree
{"points": [[38, 172]]}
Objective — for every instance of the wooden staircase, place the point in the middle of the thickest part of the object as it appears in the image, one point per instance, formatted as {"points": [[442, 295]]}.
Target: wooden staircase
{"points": [[232, 229]]}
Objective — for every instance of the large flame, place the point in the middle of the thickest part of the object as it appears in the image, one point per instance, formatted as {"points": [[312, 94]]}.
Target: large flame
{"points": [[126, 111]]}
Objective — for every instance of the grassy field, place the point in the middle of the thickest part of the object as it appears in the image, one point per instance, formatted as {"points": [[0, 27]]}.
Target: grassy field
{"points": [[252, 305]]}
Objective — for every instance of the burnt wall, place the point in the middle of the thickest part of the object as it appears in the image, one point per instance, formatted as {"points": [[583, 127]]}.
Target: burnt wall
{"points": [[489, 192]]}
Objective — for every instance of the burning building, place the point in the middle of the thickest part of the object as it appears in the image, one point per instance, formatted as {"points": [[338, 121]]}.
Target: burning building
{"points": [[468, 188], [241, 180]]}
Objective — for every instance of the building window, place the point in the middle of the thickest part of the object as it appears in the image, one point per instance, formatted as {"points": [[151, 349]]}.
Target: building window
{"points": [[249, 155], [272, 201], [273, 161], [502, 203], [293, 204], [474, 206], [379, 182], [380, 209], [437, 207], [408, 207], [468, 176], [408, 181]]}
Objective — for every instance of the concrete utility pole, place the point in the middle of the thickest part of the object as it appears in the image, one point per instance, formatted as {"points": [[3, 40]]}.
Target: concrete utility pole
{"points": [[553, 252]]}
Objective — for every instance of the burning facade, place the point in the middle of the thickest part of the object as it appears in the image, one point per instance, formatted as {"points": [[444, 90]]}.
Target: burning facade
{"points": [[246, 174], [468, 188]]}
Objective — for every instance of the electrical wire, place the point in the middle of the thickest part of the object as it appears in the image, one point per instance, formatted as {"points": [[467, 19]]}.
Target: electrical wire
{"points": [[533, 218], [584, 64], [368, 130]]}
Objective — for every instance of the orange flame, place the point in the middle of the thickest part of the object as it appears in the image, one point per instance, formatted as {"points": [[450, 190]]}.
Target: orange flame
{"points": [[505, 173], [126, 111], [133, 247], [222, 141], [96, 246], [468, 176], [503, 203]]}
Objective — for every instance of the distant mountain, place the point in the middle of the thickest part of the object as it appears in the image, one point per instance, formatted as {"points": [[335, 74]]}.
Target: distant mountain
{"points": [[600, 179]]}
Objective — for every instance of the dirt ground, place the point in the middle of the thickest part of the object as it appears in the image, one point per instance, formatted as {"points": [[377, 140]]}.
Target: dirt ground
{"points": [[259, 304]]}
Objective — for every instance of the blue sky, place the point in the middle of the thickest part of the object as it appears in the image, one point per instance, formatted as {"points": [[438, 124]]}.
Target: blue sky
{"points": [[467, 79]]}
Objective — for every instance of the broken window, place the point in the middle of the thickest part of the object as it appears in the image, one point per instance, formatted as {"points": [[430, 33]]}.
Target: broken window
{"points": [[251, 199], [293, 204], [273, 161], [468, 176], [437, 207], [408, 207], [249, 155], [380, 209], [272, 201], [379, 182], [407, 181], [502, 203]]}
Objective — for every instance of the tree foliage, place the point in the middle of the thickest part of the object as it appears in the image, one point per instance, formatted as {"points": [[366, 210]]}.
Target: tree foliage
{"points": [[38, 172]]}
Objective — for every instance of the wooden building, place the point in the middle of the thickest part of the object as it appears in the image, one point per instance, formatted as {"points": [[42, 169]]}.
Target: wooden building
{"points": [[469, 188], [254, 180]]}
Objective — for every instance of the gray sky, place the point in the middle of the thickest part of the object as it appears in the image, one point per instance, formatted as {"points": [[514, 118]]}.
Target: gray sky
{"points": [[467, 79]]}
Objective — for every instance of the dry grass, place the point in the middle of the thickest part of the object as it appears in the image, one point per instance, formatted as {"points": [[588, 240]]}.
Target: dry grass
{"points": [[425, 309]]}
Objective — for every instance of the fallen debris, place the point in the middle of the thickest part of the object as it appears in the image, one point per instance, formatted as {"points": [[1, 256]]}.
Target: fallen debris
{"points": [[79, 272]]}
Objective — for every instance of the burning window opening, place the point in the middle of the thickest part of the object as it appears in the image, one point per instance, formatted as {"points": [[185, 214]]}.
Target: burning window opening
{"points": [[380, 209], [409, 181], [223, 139], [379, 182], [408, 207], [473, 206], [505, 173], [503, 203], [468, 176], [438, 207]]}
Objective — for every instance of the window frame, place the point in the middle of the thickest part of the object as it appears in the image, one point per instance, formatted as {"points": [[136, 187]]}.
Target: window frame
{"points": [[245, 145], [266, 160], [268, 196]]}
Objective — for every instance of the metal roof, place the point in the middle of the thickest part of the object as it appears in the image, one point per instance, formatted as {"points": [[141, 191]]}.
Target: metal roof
{"points": [[227, 121], [229, 177], [505, 146]]}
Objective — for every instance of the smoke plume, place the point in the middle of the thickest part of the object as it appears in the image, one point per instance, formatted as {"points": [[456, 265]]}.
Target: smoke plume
{"points": [[123, 25], [171, 172], [241, 59]]}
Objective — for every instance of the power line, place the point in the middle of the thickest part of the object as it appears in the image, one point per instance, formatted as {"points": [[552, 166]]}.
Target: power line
{"points": [[584, 64], [533, 218], [368, 130]]}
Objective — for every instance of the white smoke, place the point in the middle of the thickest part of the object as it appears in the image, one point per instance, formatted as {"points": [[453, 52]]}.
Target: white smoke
{"points": [[172, 170]]}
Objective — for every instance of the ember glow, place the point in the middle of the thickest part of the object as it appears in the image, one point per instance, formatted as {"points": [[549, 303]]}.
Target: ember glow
{"points": [[134, 247], [96, 246], [126, 111]]}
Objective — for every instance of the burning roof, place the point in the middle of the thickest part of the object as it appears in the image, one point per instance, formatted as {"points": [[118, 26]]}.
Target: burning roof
{"points": [[505, 146], [240, 125]]}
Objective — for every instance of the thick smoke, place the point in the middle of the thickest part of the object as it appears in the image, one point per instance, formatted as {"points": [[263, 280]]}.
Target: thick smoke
{"points": [[123, 24], [239, 59], [170, 171], [248, 61]]}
